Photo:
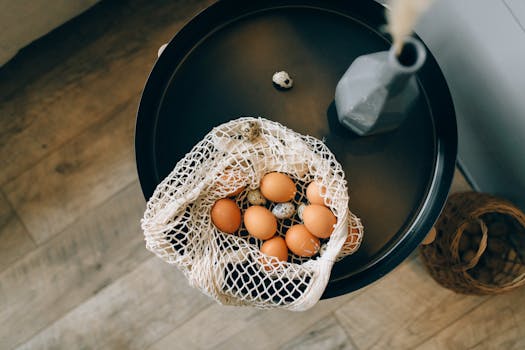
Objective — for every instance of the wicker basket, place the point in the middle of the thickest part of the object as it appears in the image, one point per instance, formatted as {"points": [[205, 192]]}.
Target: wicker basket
{"points": [[479, 246]]}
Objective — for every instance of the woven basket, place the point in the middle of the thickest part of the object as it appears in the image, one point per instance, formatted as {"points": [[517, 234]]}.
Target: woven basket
{"points": [[479, 246]]}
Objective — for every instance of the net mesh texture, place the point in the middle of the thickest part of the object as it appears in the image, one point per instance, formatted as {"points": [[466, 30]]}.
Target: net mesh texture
{"points": [[230, 267]]}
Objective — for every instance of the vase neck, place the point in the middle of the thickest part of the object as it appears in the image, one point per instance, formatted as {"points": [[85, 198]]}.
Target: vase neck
{"points": [[399, 68]]}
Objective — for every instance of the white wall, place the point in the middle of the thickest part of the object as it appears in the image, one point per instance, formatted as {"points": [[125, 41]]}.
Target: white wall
{"points": [[480, 46]]}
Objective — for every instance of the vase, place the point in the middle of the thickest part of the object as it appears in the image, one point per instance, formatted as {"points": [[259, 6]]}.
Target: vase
{"points": [[378, 89]]}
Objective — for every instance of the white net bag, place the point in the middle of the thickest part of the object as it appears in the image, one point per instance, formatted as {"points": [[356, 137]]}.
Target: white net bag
{"points": [[230, 267]]}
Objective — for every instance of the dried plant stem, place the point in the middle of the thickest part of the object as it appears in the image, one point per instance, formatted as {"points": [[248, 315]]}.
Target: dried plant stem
{"points": [[402, 17]]}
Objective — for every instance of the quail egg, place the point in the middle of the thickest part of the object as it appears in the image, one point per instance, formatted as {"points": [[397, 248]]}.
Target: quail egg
{"points": [[283, 210], [300, 210], [282, 80], [256, 198], [250, 131]]}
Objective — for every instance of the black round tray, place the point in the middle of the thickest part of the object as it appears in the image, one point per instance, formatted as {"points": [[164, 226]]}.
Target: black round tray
{"points": [[219, 67]]}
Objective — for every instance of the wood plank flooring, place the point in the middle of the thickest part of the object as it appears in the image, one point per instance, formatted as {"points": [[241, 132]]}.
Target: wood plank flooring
{"points": [[14, 238], [79, 262], [74, 272]]}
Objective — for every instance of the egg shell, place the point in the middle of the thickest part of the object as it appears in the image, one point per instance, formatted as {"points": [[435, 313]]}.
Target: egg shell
{"points": [[300, 210], [282, 80], [278, 187], [473, 228], [260, 222], [430, 237], [493, 262], [352, 241], [301, 242], [275, 247], [314, 191], [226, 215], [468, 256], [283, 210], [229, 180], [497, 246], [250, 131], [319, 220], [485, 277], [255, 197]]}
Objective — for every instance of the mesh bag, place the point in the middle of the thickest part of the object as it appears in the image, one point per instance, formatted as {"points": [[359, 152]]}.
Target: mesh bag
{"points": [[229, 267]]}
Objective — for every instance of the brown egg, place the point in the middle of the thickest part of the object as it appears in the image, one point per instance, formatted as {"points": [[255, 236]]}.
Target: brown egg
{"points": [[275, 247], [278, 187], [473, 228], [319, 220], [493, 262], [352, 241], [313, 193], [430, 237], [229, 179], [496, 246], [226, 215], [301, 242], [485, 277], [468, 256], [260, 222]]}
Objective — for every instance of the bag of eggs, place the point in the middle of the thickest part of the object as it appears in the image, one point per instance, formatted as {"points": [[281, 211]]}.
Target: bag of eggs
{"points": [[255, 214]]}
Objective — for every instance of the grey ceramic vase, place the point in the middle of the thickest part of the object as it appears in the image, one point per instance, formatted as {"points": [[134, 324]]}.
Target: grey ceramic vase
{"points": [[378, 89]]}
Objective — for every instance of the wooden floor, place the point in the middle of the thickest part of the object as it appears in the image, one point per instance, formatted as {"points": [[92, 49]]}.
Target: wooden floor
{"points": [[74, 272]]}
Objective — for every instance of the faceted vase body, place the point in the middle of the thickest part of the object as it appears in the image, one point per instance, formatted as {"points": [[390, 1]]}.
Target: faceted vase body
{"points": [[378, 89]]}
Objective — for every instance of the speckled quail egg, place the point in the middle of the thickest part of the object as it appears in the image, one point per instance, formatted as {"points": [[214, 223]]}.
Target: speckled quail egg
{"points": [[250, 130], [282, 80], [256, 198], [283, 210], [300, 210]]}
